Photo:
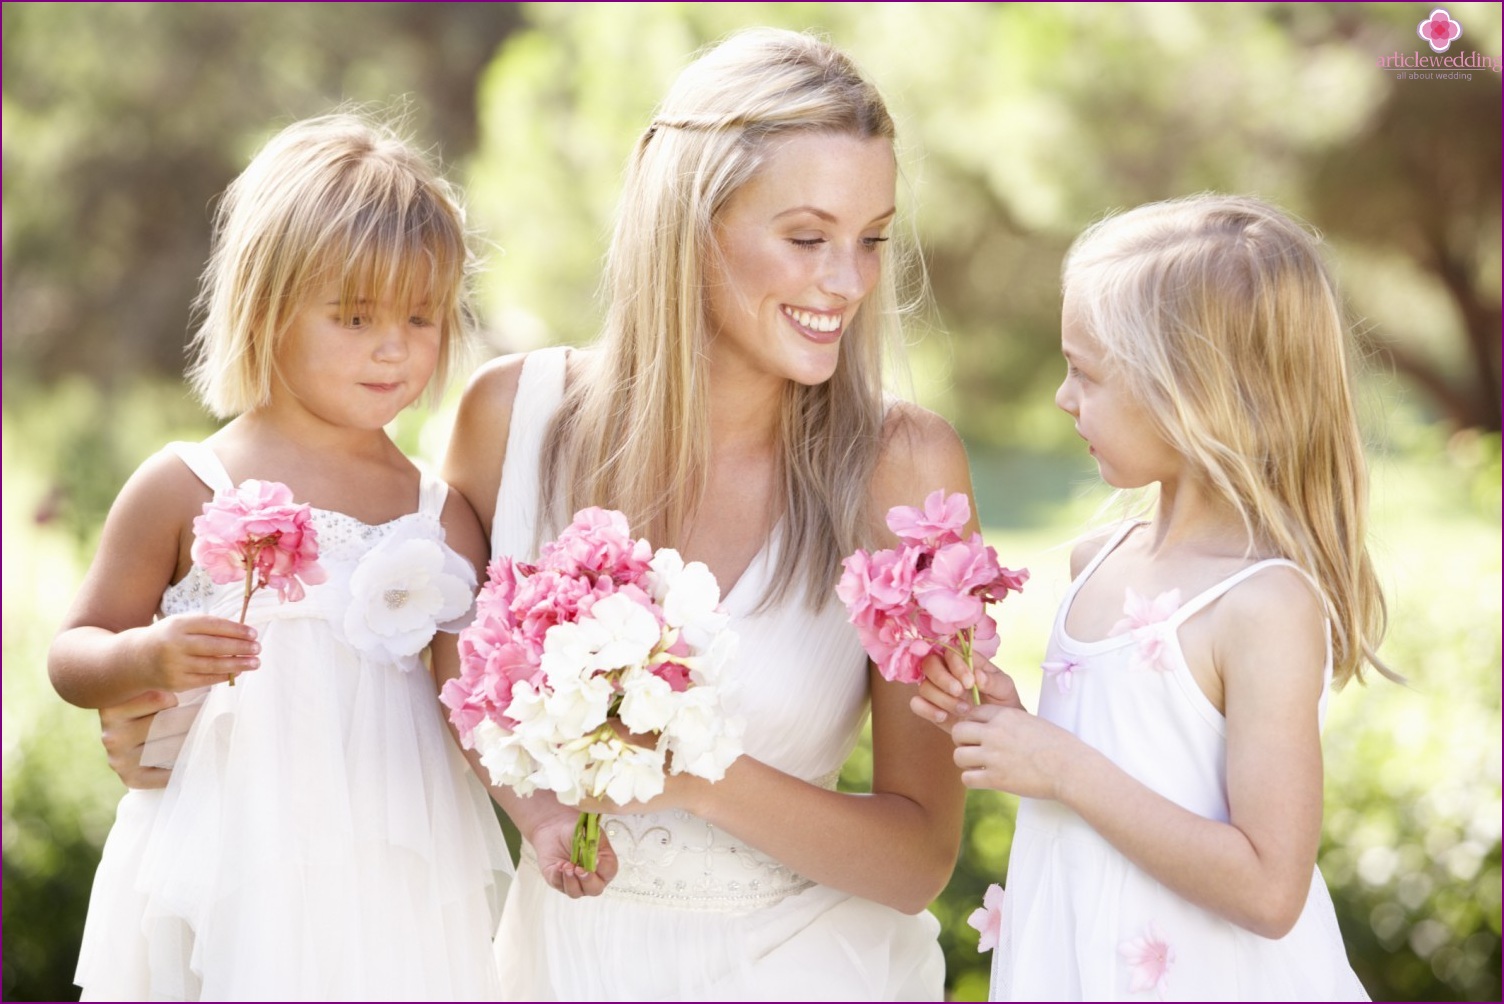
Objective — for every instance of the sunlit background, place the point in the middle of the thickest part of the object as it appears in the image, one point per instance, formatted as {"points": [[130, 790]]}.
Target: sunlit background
{"points": [[1019, 124]]}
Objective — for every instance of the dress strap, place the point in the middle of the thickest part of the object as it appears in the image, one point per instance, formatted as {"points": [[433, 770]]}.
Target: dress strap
{"points": [[540, 391], [433, 492], [1201, 600], [1118, 536], [205, 465]]}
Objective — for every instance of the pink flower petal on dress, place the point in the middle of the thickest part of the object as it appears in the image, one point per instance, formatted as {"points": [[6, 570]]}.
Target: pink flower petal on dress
{"points": [[1062, 671], [987, 919], [1152, 648], [1140, 613], [1149, 957]]}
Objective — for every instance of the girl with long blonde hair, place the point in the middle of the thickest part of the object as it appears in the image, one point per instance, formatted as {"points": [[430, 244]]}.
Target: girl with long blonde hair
{"points": [[1172, 780]]}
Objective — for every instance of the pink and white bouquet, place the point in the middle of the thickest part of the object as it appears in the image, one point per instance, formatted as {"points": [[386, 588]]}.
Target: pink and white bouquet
{"points": [[258, 534], [594, 672], [928, 594]]}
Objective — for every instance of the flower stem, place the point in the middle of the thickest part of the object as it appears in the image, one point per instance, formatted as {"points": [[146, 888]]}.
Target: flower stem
{"points": [[245, 605], [587, 840]]}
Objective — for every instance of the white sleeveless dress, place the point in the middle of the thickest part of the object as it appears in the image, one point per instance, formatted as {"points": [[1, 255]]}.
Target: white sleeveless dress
{"points": [[1082, 922], [694, 913], [321, 836]]}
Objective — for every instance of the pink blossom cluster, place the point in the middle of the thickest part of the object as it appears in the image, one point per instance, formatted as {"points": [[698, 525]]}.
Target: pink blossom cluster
{"points": [[594, 672], [258, 534], [929, 593]]}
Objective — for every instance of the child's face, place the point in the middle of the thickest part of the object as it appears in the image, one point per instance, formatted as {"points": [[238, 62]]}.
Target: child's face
{"points": [[799, 251], [1128, 449], [356, 375]]}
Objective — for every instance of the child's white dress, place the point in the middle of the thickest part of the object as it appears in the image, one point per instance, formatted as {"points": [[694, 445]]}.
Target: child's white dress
{"points": [[1080, 921], [321, 837]]}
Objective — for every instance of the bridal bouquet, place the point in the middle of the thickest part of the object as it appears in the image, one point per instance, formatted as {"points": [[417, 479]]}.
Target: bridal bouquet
{"points": [[595, 671], [929, 593]]}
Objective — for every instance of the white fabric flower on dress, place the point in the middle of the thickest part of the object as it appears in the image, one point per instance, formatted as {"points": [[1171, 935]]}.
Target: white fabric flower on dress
{"points": [[403, 590]]}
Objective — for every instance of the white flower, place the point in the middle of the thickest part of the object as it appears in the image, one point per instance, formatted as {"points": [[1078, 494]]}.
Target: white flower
{"points": [[578, 705], [619, 632], [647, 701], [703, 738], [689, 595], [503, 756], [626, 773], [402, 590]]}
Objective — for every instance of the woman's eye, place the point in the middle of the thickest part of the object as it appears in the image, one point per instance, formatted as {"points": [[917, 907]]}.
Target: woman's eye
{"points": [[873, 242], [807, 242], [419, 321], [356, 321]]}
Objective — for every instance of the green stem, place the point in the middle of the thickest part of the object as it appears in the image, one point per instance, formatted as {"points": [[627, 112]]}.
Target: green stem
{"points": [[587, 840]]}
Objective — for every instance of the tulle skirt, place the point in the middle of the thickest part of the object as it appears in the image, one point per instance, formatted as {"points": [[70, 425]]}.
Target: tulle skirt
{"points": [[321, 838]]}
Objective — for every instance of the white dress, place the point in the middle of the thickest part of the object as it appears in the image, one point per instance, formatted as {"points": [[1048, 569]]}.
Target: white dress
{"points": [[694, 913], [321, 836], [1080, 921]]}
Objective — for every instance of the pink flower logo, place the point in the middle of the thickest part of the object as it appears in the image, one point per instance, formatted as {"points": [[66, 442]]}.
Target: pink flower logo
{"points": [[1439, 30]]}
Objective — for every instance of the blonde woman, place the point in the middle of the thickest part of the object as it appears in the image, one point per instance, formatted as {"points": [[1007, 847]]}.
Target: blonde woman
{"points": [[1166, 840], [734, 409]]}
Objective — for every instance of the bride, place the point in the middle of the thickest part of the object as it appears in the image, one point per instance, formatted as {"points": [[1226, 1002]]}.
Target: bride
{"points": [[734, 409]]}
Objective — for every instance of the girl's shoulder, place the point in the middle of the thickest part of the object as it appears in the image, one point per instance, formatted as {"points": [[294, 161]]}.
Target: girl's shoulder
{"points": [[1089, 545]]}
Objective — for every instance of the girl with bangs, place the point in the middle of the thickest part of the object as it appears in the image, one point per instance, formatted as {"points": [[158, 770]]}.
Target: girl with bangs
{"points": [[1171, 786], [321, 836]]}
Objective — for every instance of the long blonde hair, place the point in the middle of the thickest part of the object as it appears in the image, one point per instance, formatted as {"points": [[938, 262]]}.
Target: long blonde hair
{"points": [[634, 433], [341, 198], [1222, 317]]}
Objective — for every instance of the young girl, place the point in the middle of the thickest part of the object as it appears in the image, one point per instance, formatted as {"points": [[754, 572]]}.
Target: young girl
{"points": [[320, 837], [1171, 811]]}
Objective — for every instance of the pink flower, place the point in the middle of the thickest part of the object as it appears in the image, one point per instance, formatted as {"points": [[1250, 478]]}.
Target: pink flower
{"points": [[1439, 30], [598, 542], [987, 919], [950, 588], [929, 593], [1149, 958], [1062, 671], [1145, 621], [256, 532], [939, 522], [1140, 613]]}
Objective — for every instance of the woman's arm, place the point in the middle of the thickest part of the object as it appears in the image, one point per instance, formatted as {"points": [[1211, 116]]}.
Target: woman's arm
{"points": [[897, 845], [1254, 870], [472, 466], [109, 649]]}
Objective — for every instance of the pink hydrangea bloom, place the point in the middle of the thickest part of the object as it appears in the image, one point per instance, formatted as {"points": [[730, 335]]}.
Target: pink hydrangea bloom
{"points": [[987, 919], [256, 533]]}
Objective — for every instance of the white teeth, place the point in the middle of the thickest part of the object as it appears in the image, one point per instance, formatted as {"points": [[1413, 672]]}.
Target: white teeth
{"points": [[824, 323]]}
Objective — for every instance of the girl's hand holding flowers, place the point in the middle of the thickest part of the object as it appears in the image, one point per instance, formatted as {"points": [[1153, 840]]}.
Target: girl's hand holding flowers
{"points": [[928, 595]]}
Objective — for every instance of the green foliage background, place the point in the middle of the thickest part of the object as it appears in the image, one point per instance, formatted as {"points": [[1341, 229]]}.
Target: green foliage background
{"points": [[1019, 124]]}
